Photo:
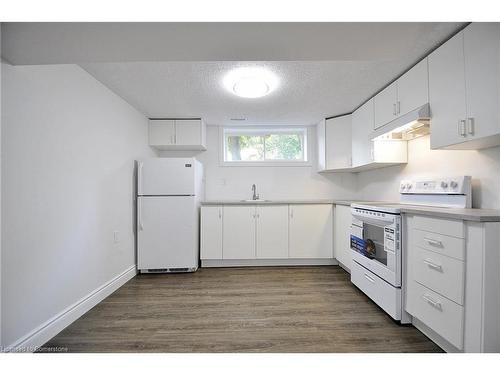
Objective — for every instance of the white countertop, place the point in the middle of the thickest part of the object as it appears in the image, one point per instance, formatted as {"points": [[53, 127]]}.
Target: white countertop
{"points": [[468, 214]]}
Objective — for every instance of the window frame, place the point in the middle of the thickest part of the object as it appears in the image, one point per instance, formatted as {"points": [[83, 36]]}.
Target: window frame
{"points": [[261, 130]]}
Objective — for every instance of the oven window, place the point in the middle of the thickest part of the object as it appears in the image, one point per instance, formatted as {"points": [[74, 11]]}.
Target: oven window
{"points": [[372, 243]]}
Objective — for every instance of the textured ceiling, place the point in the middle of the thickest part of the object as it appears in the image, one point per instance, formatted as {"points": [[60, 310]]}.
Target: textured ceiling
{"points": [[308, 91], [176, 69]]}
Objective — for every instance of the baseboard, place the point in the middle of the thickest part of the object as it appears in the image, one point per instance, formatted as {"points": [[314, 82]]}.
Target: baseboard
{"points": [[47, 330], [266, 262]]}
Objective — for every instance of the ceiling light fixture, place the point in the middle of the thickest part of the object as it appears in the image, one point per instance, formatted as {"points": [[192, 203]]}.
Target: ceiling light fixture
{"points": [[250, 82]]}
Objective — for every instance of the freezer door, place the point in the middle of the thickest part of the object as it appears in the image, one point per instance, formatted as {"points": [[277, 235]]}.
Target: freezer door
{"points": [[166, 176], [167, 230]]}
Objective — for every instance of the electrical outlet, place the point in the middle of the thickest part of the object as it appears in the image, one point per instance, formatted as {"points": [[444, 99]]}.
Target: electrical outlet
{"points": [[116, 236]]}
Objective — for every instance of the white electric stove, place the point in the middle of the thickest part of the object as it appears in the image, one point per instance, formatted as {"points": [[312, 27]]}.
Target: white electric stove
{"points": [[377, 243]]}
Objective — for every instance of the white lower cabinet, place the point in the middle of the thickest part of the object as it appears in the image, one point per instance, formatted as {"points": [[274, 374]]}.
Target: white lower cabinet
{"points": [[267, 234], [311, 231], [272, 232], [238, 233], [342, 235], [211, 232], [452, 281]]}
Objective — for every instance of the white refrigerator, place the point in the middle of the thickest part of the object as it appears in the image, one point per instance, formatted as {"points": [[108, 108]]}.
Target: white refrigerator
{"points": [[169, 191]]}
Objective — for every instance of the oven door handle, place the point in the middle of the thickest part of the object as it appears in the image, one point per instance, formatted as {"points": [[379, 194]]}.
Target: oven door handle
{"points": [[369, 220]]}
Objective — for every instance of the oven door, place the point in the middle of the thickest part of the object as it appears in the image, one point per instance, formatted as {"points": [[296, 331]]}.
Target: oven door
{"points": [[376, 245]]}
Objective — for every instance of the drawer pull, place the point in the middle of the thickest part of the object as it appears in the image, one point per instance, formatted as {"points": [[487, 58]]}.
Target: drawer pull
{"points": [[431, 302], [432, 242], [431, 264], [369, 278]]}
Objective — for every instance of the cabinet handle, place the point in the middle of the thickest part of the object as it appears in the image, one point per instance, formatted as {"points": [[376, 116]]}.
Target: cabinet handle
{"points": [[461, 128], [139, 214], [394, 109], [431, 264], [470, 125], [291, 213], [432, 242], [369, 278], [220, 213], [431, 302], [399, 107], [139, 177]]}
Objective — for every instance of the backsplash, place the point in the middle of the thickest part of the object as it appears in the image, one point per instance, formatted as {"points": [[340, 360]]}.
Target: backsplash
{"points": [[482, 165]]}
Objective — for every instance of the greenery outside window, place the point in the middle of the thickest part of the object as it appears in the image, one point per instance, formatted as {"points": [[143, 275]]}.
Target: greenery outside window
{"points": [[265, 146]]}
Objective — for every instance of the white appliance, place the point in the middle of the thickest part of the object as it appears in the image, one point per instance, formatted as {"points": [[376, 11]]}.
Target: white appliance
{"points": [[377, 241], [169, 191]]}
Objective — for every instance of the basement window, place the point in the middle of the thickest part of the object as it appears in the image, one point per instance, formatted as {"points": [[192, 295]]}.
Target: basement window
{"points": [[265, 146]]}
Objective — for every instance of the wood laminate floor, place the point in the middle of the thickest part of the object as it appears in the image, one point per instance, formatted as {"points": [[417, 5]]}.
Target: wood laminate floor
{"points": [[267, 309]]}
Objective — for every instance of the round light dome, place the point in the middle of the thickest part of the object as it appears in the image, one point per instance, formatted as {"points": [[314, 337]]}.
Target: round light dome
{"points": [[250, 87], [252, 82]]}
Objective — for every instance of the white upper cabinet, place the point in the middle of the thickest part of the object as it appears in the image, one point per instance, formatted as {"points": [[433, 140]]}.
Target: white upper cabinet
{"points": [[409, 92], [161, 132], [482, 79], [385, 105], [362, 127], [338, 142], [464, 89], [447, 93], [188, 132], [177, 134], [272, 232], [413, 88]]}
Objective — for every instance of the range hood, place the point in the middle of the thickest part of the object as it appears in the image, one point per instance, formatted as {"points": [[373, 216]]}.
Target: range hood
{"points": [[409, 126]]}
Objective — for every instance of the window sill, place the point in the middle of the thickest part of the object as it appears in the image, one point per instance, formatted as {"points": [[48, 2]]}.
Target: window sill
{"points": [[265, 164]]}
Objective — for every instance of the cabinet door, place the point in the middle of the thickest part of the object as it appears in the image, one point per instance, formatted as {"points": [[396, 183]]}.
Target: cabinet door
{"points": [[447, 93], [238, 232], [338, 142], [311, 231], [385, 105], [320, 134], [161, 132], [188, 132], [413, 88], [341, 235], [482, 76], [272, 232], [211, 232], [362, 127]]}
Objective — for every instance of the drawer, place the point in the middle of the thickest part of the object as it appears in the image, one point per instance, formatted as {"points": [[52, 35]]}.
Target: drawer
{"points": [[447, 227], [440, 273], [450, 246], [443, 316], [381, 292]]}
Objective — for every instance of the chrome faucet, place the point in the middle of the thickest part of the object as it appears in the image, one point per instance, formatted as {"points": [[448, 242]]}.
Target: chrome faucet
{"points": [[255, 195]]}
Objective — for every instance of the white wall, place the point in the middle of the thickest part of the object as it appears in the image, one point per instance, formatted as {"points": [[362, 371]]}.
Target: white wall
{"points": [[482, 165], [68, 148], [223, 182]]}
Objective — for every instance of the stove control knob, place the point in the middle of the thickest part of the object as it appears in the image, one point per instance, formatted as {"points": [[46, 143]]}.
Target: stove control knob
{"points": [[409, 186], [403, 186], [444, 185], [454, 184]]}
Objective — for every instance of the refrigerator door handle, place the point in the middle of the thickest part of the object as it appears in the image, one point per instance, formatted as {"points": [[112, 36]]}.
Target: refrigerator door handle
{"points": [[139, 178], [139, 214]]}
